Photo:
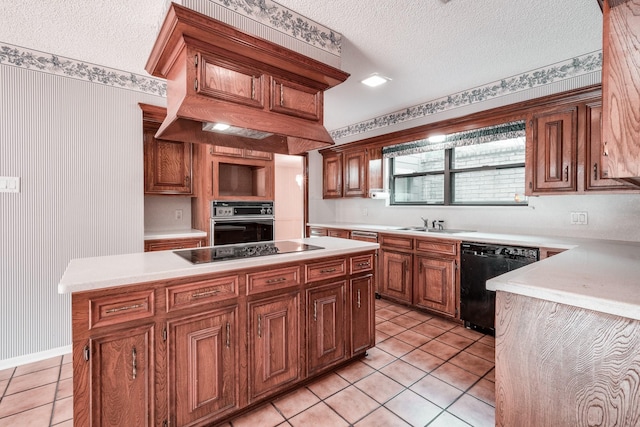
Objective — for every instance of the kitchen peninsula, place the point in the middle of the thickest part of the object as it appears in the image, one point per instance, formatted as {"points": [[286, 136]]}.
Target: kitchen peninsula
{"points": [[160, 340]]}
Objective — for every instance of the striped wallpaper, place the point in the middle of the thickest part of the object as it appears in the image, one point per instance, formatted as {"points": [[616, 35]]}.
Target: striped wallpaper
{"points": [[77, 148]]}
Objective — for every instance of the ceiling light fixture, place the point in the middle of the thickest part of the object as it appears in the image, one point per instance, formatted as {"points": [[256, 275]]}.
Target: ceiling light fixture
{"points": [[375, 80]]}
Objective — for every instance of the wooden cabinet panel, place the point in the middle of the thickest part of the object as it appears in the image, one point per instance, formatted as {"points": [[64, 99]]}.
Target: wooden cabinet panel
{"points": [[395, 241], [296, 100], [326, 325], [362, 314], [122, 379], [230, 81], [240, 152], [552, 151], [173, 244], [396, 275], [270, 280], [203, 370], [594, 179], [274, 343], [361, 263], [326, 269], [621, 89], [120, 308], [435, 284], [439, 246], [355, 176], [167, 164], [335, 232], [332, 176], [257, 154], [201, 292], [317, 231]]}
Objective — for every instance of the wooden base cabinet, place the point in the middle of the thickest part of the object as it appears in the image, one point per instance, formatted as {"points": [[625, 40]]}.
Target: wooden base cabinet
{"points": [[326, 319], [123, 397], [203, 366], [195, 351], [435, 284], [397, 275], [274, 343], [362, 314]]}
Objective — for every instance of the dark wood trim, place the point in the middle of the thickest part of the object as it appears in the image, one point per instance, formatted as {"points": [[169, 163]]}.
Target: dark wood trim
{"points": [[490, 117]]}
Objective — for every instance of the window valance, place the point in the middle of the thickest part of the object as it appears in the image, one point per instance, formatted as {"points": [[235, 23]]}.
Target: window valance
{"points": [[477, 136]]}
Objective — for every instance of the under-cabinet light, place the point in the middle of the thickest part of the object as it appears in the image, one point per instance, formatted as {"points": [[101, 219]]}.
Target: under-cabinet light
{"points": [[437, 138]]}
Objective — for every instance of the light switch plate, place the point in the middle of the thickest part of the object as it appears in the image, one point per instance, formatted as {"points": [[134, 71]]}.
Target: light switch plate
{"points": [[9, 184], [579, 218]]}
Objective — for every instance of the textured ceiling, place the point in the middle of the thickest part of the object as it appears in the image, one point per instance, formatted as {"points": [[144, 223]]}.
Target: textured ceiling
{"points": [[427, 47]]}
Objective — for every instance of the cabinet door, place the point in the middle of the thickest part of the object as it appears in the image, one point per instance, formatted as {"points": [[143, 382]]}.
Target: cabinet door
{"points": [[203, 372], [621, 89], [332, 176], [396, 275], [362, 314], [552, 152], [594, 179], [167, 166], [296, 100], [274, 342], [355, 176], [230, 81], [326, 325], [435, 284], [122, 378]]}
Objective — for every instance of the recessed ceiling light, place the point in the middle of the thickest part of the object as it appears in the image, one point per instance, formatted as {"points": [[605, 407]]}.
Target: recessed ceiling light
{"points": [[375, 80]]}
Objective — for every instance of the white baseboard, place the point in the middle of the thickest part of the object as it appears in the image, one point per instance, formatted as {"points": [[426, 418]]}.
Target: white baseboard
{"points": [[34, 357]]}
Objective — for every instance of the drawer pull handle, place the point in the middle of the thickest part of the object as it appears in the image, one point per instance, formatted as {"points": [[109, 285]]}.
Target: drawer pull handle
{"points": [[228, 335], [124, 308], [358, 298], [205, 294], [328, 270], [281, 95], [278, 280], [315, 311], [134, 362], [260, 325], [363, 264]]}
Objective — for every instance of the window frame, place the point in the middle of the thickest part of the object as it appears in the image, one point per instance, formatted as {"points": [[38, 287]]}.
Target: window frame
{"points": [[448, 180]]}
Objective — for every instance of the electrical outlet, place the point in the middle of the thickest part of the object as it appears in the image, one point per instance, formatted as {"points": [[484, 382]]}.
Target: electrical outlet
{"points": [[579, 218], [178, 213]]}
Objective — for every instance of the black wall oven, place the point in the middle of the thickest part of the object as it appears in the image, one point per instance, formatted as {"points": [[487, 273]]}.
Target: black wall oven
{"points": [[241, 222]]}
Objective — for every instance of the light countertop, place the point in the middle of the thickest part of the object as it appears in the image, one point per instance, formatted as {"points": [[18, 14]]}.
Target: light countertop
{"points": [[595, 274], [84, 274], [173, 234]]}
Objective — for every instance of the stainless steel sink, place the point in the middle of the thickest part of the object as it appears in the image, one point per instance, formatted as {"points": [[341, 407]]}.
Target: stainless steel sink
{"points": [[436, 230]]}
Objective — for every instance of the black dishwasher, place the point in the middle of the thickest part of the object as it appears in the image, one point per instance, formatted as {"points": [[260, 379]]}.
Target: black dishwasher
{"points": [[480, 262]]}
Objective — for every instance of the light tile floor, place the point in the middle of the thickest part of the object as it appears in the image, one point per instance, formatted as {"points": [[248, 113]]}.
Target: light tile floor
{"points": [[424, 371]]}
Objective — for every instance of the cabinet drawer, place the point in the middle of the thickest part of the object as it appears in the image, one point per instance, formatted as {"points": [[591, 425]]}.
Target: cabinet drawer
{"points": [[172, 244], [360, 263], [445, 247], [396, 241], [273, 279], [335, 232], [201, 292], [111, 310], [326, 270]]}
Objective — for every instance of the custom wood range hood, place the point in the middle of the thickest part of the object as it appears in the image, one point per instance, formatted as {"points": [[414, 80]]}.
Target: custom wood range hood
{"points": [[270, 96]]}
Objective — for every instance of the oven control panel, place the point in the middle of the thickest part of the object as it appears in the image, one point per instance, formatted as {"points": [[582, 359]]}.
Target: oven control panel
{"points": [[241, 209], [223, 211]]}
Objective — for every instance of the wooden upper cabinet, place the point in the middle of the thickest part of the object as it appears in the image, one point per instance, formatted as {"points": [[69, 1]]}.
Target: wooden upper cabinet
{"points": [[167, 164], [594, 179], [552, 152], [621, 90], [296, 100], [230, 81], [355, 173], [332, 176], [240, 152]]}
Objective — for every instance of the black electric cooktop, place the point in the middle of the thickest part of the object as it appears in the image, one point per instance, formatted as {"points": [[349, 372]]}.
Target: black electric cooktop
{"points": [[246, 250]]}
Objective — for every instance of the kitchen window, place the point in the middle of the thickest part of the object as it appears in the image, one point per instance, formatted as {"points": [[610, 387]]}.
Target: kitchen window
{"points": [[479, 167]]}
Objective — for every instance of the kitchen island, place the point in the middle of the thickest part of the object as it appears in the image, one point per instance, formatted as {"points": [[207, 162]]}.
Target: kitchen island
{"points": [[159, 340], [568, 339]]}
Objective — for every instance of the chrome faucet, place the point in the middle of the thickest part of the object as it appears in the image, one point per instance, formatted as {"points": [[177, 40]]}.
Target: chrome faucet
{"points": [[425, 221]]}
